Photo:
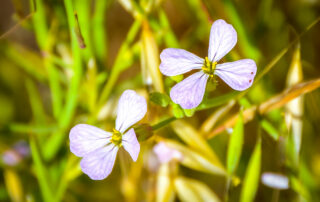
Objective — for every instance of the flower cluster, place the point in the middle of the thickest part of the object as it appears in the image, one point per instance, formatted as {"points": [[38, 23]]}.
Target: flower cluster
{"points": [[99, 148]]}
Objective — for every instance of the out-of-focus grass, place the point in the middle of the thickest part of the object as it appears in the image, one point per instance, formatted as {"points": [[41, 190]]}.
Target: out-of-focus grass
{"points": [[66, 62]]}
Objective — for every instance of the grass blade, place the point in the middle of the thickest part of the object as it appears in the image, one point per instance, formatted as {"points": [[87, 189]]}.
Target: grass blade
{"points": [[252, 176]]}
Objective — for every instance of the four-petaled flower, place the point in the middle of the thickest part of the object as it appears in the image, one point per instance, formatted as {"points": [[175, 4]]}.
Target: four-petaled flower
{"points": [[99, 148], [189, 93]]}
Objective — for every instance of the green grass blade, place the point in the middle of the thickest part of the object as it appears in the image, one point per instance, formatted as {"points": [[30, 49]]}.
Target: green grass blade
{"points": [[235, 146], [252, 176]]}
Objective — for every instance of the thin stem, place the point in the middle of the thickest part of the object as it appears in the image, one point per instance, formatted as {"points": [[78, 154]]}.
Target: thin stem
{"points": [[228, 182], [275, 195], [163, 123], [118, 65], [41, 171]]}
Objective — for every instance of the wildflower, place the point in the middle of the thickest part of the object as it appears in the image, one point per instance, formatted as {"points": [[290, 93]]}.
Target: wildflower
{"points": [[99, 148], [165, 153], [189, 93], [276, 181], [11, 158], [16, 154]]}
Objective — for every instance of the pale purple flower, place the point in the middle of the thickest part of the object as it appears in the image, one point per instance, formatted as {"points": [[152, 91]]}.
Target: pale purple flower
{"points": [[274, 180], [165, 153], [189, 93], [16, 154], [99, 148], [11, 157]]}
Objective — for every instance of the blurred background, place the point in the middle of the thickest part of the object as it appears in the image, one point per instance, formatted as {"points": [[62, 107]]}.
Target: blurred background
{"points": [[67, 62]]}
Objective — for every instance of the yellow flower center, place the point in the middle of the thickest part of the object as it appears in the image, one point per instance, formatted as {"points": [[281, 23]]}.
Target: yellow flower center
{"points": [[116, 138], [209, 67]]}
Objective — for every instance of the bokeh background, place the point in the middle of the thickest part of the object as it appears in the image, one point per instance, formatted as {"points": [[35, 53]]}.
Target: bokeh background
{"points": [[67, 62]]}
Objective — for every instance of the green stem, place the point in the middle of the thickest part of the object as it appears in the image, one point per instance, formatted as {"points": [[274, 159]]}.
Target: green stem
{"points": [[99, 39], [118, 66], [52, 146], [43, 40], [41, 171], [228, 182], [163, 123]]}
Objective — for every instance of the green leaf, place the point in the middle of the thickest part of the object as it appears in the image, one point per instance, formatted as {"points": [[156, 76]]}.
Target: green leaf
{"points": [[169, 36], [189, 112], [251, 179], [268, 127], [298, 187], [41, 171], [244, 102], [193, 190], [194, 139], [235, 146], [159, 99], [196, 160], [177, 78], [177, 111], [217, 101], [165, 189]]}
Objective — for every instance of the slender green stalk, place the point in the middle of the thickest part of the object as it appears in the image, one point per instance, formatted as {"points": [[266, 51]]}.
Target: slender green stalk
{"points": [[72, 95], [169, 37], [39, 118], [41, 172], [29, 128], [99, 38], [56, 140], [163, 123], [226, 194], [120, 62], [277, 58], [248, 49], [43, 39]]}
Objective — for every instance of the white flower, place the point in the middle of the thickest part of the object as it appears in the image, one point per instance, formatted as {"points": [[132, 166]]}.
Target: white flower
{"points": [[99, 148], [189, 93], [276, 181], [165, 153]]}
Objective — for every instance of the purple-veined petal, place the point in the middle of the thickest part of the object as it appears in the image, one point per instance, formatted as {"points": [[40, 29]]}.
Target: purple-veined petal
{"points": [[238, 75], [99, 163], [178, 61], [223, 37], [131, 109], [189, 92], [165, 153], [85, 138], [131, 144]]}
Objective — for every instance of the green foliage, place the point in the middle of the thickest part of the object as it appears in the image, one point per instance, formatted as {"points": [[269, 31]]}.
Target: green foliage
{"points": [[235, 146], [269, 128], [160, 99], [64, 63], [252, 176]]}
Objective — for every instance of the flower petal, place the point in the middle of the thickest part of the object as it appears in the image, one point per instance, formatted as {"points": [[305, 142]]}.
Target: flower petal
{"points": [[189, 92], [274, 180], [86, 138], [178, 61], [131, 109], [131, 144], [165, 153], [238, 75], [99, 163], [223, 37]]}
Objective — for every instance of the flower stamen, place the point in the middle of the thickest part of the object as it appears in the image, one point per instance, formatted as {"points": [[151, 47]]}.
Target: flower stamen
{"points": [[116, 138], [209, 67]]}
